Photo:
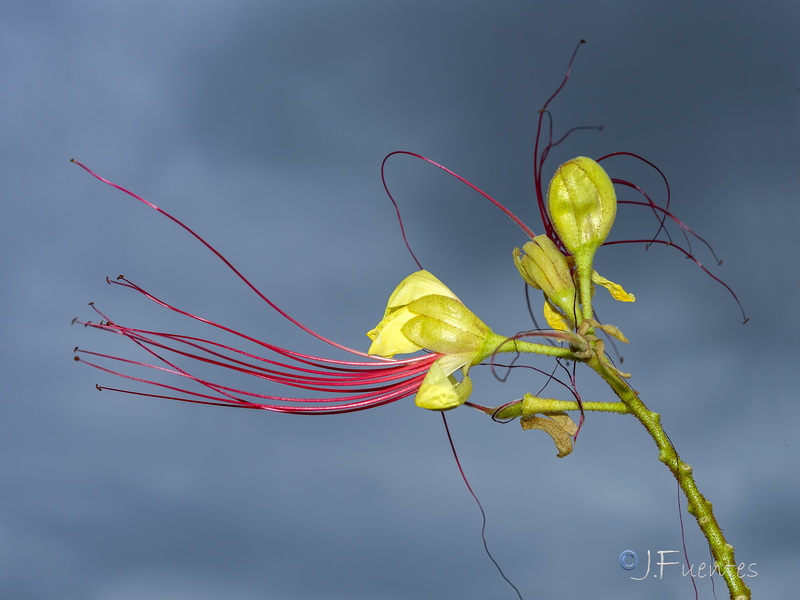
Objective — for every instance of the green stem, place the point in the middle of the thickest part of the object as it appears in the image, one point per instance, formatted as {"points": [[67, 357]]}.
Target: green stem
{"points": [[496, 344], [583, 268], [533, 405], [698, 506]]}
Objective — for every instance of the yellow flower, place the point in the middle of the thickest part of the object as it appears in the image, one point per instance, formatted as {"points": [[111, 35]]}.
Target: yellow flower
{"points": [[423, 314]]}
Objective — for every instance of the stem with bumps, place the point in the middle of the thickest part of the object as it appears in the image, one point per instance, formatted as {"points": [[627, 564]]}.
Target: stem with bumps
{"points": [[698, 506]]}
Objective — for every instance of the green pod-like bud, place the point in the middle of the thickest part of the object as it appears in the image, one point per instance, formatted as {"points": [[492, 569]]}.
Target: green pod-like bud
{"points": [[542, 265], [582, 204]]}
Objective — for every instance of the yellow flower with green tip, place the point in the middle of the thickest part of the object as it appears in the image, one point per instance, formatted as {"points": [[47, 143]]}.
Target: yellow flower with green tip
{"points": [[423, 314]]}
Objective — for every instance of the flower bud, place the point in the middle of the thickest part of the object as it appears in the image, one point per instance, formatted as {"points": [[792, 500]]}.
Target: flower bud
{"points": [[582, 204], [545, 268]]}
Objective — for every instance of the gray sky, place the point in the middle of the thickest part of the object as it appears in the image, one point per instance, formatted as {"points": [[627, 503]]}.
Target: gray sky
{"points": [[263, 125]]}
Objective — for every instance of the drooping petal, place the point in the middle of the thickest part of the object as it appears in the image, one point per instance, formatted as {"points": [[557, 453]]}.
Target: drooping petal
{"points": [[554, 318], [613, 331], [559, 426], [616, 290], [439, 390]]}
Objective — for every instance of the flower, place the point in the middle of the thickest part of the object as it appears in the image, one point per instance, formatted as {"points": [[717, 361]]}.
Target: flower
{"points": [[422, 313]]}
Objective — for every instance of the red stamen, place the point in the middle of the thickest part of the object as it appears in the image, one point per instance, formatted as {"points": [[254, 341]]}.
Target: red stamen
{"points": [[539, 158], [691, 257], [498, 204], [221, 257], [480, 508], [541, 152], [347, 385]]}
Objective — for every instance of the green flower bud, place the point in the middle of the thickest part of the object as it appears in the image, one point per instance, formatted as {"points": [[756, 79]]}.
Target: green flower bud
{"points": [[545, 268], [582, 204]]}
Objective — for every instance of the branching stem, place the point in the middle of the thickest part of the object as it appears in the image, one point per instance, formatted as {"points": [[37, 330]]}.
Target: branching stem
{"points": [[630, 403], [698, 506]]}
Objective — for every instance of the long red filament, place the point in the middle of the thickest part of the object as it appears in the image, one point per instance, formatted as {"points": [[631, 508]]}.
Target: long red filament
{"points": [[346, 385]]}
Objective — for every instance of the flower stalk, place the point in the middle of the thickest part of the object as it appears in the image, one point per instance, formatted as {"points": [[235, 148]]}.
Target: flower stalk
{"points": [[700, 508], [630, 403]]}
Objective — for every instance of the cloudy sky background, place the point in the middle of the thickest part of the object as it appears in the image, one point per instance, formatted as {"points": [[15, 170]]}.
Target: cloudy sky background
{"points": [[263, 125]]}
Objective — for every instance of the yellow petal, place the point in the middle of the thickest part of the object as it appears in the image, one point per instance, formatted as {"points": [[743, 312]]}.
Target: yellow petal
{"points": [[439, 391], [416, 285], [616, 290], [452, 363], [388, 338], [554, 318]]}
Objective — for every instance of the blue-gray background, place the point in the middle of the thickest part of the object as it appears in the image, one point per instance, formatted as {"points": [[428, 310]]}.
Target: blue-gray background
{"points": [[263, 124]]}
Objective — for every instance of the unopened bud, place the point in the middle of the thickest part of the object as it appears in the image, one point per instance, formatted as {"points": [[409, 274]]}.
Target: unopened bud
{"points": [[545, 268], [582, 204]]}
